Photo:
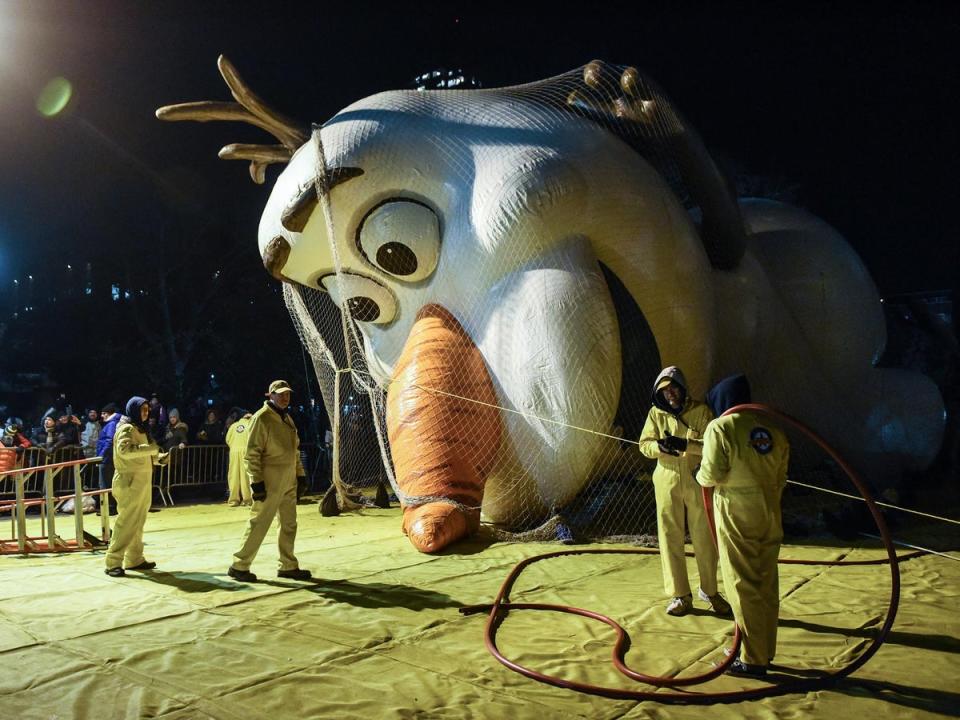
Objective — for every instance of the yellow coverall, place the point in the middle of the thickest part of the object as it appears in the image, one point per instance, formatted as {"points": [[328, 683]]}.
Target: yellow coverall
{"points": [[134, 456], [745, 458], [677, 493], [237, 436], [273, 458]]}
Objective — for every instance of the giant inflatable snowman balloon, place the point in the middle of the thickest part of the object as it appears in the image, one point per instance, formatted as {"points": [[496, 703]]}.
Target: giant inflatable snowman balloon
{"points": [[477, 238]]}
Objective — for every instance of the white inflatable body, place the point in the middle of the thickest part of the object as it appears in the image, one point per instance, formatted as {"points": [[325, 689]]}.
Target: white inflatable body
{"points": [[515, 213], [526, 219]]}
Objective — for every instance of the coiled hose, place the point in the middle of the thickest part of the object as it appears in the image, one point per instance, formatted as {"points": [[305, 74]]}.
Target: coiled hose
{"points": [[501, 606]]}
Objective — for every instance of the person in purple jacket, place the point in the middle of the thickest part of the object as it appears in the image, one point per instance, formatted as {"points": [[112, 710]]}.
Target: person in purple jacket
{"points": [[110, 415]]}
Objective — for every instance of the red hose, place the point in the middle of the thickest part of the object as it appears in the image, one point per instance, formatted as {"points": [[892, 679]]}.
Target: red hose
{"points": [[501, 607]]}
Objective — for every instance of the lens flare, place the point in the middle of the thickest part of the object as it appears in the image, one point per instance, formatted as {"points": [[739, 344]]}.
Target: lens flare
{"points": [[54, 97]]}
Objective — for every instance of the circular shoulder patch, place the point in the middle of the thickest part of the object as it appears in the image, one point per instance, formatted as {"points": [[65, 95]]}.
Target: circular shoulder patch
{"points": [[241, 428], [761, 440]]}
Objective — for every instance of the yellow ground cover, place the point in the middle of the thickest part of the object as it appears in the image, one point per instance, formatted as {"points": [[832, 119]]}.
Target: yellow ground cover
{"points": [[379, 635]]}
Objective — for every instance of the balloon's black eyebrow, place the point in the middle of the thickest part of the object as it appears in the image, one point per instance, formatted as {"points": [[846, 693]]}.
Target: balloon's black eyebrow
{"points": [[297, 213]]}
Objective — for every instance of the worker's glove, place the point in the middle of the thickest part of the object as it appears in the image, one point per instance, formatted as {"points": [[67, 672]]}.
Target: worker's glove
{"points": [[666, 449], [677, 444], [258, 491]]}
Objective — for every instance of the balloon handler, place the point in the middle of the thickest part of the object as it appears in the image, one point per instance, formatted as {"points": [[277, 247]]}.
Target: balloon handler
{"points": [[745, 460], [672, 436], [272, 465], [134, 455]]}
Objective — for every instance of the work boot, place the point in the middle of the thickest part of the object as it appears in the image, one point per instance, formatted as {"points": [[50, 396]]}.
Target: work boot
{"points": [[241, 575], [295, 574], [115, 572], [145, 565], [742, 669], [720, 606], [680, 606]]}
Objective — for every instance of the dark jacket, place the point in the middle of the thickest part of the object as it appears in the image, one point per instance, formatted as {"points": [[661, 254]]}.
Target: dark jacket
{"points": [[105, 441], [67, 430], [211, 433], [174, 435]]}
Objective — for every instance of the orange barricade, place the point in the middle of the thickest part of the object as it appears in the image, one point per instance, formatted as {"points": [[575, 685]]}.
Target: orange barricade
{"points": [[20, 540]]}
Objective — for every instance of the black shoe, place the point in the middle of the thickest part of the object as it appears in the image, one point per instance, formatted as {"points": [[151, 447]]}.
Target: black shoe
{"points": [[742, 669], [145, 565], [241, 575], [295, 574], [115, 572]]}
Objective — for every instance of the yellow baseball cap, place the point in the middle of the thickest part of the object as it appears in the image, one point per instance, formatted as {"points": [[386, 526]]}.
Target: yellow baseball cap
{"points": [[279, 386]]}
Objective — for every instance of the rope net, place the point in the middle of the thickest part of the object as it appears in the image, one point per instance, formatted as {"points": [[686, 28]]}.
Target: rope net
{"points": [[472, 307]]}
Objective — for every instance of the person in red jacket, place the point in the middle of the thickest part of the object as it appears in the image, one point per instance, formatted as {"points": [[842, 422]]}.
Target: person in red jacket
{"points": [[13, 436]]}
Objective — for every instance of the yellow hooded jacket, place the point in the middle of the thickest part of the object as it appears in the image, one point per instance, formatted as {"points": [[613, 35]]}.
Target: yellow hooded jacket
{"points": [[745, 459], [690, 425]]}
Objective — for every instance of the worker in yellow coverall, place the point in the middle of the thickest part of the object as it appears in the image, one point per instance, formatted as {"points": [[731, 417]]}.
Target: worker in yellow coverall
{"points": [[272, 465], [134, 455], [745, 460], [672, 435], [237, 436]]}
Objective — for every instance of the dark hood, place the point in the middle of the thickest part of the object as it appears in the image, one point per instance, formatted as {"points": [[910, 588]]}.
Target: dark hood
{"points": [[132, 411], [674, 375], [728, 393]]}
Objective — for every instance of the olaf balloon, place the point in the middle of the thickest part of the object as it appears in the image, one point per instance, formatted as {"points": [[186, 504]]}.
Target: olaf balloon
{"points": [[482, 243]]}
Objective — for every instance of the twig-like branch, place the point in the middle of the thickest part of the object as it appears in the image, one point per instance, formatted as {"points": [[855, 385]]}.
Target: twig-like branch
{"points": [[267, 154], [285, 130], [249, 109]]}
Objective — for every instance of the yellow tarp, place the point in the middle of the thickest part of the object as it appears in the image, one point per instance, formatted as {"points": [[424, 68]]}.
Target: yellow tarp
{"points": [[380, 636]]}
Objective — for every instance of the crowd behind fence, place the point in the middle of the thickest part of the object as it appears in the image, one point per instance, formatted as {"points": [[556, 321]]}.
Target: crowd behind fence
{"points": [[190, 466]]}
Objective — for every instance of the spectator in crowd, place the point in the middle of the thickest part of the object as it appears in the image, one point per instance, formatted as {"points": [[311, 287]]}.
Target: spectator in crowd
{"points": [[234, 415], [134, 456], [236, 439], [46, 437], [158, 418], [175, 436], [211, 432], [67, 431], [91, 433], [110, 416], [13, 436]]}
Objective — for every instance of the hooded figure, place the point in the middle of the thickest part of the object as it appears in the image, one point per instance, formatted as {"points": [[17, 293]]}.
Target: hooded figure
{"points": [[134, 455], [672, 435], [745, 460]]}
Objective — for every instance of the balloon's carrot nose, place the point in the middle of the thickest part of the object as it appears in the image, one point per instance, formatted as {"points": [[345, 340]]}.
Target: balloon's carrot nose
{"points": [[444, 430]]}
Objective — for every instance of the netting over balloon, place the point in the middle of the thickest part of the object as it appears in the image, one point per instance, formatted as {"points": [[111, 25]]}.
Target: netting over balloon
{"points": [[503, 265], [488, 282]]}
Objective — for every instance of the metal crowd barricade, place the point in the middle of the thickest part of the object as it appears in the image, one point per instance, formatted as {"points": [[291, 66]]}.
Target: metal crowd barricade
{"points": [[31, 460], [192, 466], [53, 475]]}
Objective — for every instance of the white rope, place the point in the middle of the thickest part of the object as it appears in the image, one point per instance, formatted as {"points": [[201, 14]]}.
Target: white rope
{"points": [[534, 416], [913, 547]]}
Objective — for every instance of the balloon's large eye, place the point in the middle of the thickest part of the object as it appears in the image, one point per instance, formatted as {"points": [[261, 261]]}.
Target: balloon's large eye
{"points": [[402, 238], [366, 300]]}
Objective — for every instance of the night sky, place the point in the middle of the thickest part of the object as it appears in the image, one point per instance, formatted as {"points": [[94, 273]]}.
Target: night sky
{"points": [[856, 106]]}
